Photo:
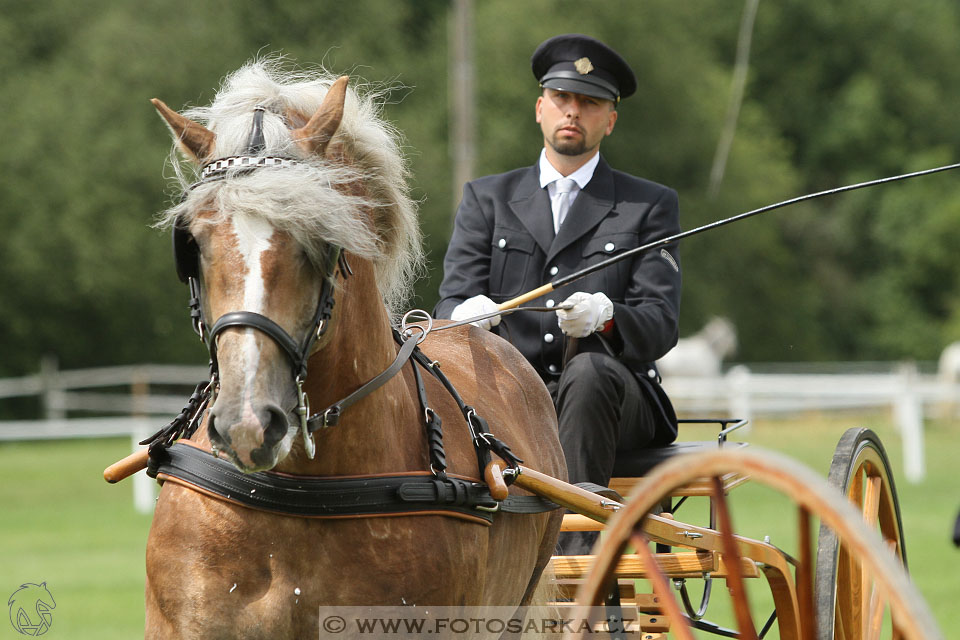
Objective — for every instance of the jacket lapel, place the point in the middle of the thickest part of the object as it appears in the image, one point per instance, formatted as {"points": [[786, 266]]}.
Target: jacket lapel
{"points": [[590, 207], [531, 205]]}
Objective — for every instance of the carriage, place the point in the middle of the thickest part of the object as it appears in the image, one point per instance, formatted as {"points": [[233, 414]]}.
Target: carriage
{"points": [[849, 582], [434, 458]]}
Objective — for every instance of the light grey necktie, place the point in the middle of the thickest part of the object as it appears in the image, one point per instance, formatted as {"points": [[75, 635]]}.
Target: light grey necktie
{"points": [[562, 206]]}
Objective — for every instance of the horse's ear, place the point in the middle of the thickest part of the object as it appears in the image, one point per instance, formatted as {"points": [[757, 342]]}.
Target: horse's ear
{"points": [[194, 140], [314, 136]]}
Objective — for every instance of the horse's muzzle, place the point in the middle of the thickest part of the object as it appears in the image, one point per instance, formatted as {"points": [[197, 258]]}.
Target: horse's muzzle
{"points": [[251, 437]]}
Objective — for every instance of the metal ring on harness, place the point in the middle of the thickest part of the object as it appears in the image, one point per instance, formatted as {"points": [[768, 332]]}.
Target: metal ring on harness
{"points": [[422, 316]]}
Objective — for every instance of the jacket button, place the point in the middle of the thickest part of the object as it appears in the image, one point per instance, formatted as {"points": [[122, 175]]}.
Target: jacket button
{"points": [[548, 337], [607, 247], [552, 368], [551, 302], [651, 373], [502, 243], [554, 270]]}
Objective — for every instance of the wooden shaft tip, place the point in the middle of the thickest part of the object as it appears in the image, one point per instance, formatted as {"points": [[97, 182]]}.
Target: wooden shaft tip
{"points": [[493, 475], [125, 468]]}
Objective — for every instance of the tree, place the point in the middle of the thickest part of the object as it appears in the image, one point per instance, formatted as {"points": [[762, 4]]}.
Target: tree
{"points": [[836, 93]]}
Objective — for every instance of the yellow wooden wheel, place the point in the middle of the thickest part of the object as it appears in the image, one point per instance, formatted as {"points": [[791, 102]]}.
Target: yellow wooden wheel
{"points": [[846, 604], [794, 596]]}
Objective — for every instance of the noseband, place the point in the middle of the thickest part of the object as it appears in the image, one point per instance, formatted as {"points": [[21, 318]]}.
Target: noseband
{"points": [[186, 257]]}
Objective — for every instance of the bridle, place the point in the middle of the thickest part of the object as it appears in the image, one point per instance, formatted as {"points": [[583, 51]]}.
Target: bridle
{"points": [[187, 260], [432, 491], [186, 256]]}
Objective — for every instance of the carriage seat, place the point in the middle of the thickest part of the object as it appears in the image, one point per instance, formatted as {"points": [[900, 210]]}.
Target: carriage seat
{"points": [[638, 463], [631, 466]]}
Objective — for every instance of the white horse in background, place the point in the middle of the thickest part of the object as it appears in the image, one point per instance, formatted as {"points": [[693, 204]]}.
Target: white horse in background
{"points": [[702, 353], [948, 374]]}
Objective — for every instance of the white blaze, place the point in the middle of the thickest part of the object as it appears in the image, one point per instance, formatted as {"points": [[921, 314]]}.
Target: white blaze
{"points": [[253, 239]]}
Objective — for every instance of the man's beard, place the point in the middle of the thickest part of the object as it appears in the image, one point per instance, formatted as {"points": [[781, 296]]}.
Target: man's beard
{"points": [[574, 147]]}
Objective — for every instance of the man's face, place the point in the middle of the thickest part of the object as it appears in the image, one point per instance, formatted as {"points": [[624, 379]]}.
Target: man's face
{"points": [[574, 124]]}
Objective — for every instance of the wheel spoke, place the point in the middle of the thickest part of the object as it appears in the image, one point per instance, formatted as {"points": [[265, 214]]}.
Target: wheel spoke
{"points": [[839, 630], [873, 621], [849, 601], [855, 491], [871, 500], [738, 590], [868, 597], [661, 587], [808, 612]]}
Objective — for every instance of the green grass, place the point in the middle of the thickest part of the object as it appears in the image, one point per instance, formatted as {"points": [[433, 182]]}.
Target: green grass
{"points": [[61, 523]]}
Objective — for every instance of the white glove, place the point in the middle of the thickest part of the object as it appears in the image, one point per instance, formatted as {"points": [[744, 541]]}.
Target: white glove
{"points": [[589, 313], [476, 306]]}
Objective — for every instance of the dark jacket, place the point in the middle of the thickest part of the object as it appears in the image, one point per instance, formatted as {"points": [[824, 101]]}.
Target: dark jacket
{"points": [[503, 245]]}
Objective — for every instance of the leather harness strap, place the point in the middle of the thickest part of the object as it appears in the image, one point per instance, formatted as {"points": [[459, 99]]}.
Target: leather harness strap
{"points": [[331, 415], [433, 427], [334, 497], [483, 440]]}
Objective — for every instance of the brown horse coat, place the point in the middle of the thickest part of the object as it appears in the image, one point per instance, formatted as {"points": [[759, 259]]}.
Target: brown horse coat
{"points": [[218, 570]]}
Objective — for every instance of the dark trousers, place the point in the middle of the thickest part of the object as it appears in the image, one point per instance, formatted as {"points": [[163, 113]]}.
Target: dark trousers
{"points": [[601, 409]]}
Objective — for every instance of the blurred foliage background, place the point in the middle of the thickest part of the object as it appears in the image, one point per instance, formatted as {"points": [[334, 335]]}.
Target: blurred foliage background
{"points": [[836, 93]]}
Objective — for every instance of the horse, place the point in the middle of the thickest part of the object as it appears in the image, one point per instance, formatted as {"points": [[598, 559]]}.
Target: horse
{"points": [[702, 353], [948, 375], [303, 205]]}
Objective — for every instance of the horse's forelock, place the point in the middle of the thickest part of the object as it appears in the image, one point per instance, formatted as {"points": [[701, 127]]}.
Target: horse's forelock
{"points": [[313, 201]]}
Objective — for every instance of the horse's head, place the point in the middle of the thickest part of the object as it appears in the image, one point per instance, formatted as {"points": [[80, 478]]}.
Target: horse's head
{"points": [[267, 295], [259, 285], [296, 169], [721, 335]]}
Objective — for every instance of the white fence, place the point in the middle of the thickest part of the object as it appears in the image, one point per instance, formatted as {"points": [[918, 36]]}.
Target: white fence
{"points": [[744, 393], [142, 398], [136, 395]]}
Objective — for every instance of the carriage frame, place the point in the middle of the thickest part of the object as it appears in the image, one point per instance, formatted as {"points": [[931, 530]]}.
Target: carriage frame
{"points": [[849, 582]]}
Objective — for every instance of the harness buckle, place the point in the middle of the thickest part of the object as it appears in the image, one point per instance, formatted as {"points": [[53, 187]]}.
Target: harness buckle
{"points": [[331, 416], [479, 435], [196, 315], [303, 410]]}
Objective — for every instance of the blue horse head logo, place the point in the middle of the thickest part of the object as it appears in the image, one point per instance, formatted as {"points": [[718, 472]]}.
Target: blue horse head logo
{"points": [[30, 608]]}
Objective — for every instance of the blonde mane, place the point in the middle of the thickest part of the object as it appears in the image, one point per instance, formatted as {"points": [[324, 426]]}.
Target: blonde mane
{"points": [[316, 201]]}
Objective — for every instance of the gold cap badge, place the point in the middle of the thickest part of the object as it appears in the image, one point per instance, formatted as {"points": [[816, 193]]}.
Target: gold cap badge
{"points": [[583, 66]]}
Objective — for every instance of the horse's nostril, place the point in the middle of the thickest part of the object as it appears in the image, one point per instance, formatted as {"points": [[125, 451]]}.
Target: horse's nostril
{"points": [[274, 425], [215, 436]]}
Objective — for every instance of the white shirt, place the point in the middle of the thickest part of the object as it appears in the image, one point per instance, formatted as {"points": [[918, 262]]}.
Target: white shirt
{"points": [[549, 176]]}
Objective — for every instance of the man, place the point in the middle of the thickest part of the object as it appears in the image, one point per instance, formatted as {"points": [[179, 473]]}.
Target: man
{"points": [[518, 230]]}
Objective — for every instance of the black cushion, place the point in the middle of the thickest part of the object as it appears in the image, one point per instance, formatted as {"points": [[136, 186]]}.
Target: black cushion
{"points": [[638, 463]]}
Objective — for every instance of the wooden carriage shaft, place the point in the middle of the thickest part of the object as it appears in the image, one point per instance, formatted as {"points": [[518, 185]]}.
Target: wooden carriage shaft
{"points": [[771, 561], [658, 528]]}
